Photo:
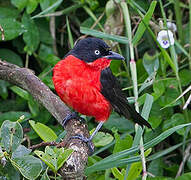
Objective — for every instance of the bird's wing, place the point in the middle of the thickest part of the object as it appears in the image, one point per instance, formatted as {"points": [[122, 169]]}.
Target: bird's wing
{"points": [[112, 92]]}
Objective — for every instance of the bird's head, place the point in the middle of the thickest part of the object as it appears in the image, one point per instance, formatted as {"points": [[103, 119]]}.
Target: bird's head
{"points": [[94, 52]]}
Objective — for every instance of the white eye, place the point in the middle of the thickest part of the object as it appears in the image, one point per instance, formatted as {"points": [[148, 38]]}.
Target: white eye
{"points": [[97, 52]]}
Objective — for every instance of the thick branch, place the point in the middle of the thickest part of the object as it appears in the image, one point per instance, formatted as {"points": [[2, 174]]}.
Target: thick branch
{"points": [[26, 79]]}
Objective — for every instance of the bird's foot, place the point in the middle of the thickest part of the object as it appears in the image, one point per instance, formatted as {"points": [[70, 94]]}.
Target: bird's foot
{"points": [[73, 115], [86, 140]]}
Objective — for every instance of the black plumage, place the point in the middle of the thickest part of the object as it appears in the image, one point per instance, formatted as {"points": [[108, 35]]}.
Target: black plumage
{"points": [[112, 92]]}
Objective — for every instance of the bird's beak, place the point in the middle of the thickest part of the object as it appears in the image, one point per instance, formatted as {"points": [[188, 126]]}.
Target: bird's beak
{"points": [[114, 55]]}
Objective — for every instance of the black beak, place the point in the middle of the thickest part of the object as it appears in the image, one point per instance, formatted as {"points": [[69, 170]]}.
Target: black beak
{"points": [[114, 55]]}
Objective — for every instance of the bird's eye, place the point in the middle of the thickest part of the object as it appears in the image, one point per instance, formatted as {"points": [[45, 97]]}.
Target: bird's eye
{"points": [[97, 52]]}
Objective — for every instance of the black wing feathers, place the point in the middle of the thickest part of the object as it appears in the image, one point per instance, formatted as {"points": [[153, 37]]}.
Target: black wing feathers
{"points": [[113, 93]]}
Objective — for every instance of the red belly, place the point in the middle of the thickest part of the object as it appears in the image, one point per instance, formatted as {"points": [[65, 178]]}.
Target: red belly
{"points": [[81, 90]]}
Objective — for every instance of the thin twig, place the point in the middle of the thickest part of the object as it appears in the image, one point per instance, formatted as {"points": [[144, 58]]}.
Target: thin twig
{"points": [[2, 33], [43, 144], [186, 155]]}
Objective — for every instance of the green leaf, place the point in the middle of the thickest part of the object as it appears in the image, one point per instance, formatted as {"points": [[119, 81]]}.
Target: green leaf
{"points": [[102, 139], [45, 52], [71, 41], [21, 92], [45, 176], [121, 144], [33, 106], [45, 133], [185, 75], [8, 12], [141, 28], [20, 4], [54, 158], [20, 152], [11, 27], [175, 120], [43, 26], [29, 166], [3, 89], [48, 6], [155, 167], [103, 35], [11, 56], [31, 34], [117, 174], [136, 168], [151, 62], [186, 176], [14, 116], [116, 160], [122, 124], [158, 88], [11, 135], [31, 6]]}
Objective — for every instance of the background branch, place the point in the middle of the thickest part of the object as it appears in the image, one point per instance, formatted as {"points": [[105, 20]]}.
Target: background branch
{"points": [[25, 78]]}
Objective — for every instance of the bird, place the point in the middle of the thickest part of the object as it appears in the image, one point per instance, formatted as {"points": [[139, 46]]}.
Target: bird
{"points": [[84, 81]]}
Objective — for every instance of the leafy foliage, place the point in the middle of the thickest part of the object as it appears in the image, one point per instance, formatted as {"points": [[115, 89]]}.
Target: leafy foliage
{"points": [[38, 33]]}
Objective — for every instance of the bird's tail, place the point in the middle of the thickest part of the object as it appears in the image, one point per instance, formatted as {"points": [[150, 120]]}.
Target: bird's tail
{"points": [[137, 118]]}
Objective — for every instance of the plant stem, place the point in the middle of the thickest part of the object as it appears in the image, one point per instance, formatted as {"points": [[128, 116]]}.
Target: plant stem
{"points": [[178, 20], [134, 78]]}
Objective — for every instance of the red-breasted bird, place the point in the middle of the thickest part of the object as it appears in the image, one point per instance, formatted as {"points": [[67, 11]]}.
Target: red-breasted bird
{"points": [[84, 81]]}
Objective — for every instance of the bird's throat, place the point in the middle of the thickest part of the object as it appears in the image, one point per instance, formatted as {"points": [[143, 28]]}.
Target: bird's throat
{"points": [[100, 64]]}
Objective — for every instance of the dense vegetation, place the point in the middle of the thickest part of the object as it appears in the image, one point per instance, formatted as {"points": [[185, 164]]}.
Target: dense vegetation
{"points": [[37, 33]]}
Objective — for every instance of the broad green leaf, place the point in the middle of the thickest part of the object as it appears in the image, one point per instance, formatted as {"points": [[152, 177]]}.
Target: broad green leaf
{"points": [[11, 27], [31, 34], [185, 75], [11, 135], [29, 166], [175, 120], [43, 26], [117, 174], [122, 124], [186, 176], [46, 51], [54, 158], [21, 92], [155, 167], [8, 12], [141, 28], [9, 172], [11, 56], [151, 62], [48, 6], [122, 144], [31, 6], [20, 4], [20, 152], [136, 168], [102, 139], [158, 88], [116, 160], [45, 133], [103, 35], [14, 116]]}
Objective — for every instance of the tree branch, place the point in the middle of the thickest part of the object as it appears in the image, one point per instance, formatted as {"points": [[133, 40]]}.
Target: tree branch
{"points": [[26, 79]]}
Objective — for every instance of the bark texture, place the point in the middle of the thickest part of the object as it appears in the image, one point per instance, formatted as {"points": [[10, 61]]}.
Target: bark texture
{"points": [[26, 79]]}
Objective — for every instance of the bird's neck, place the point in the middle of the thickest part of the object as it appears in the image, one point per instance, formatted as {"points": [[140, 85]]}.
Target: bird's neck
{"points": [[99, 64]]}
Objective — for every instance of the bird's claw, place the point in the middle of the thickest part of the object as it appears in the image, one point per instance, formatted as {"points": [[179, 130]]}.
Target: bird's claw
{"points": [[73, 115], [86, 140]]}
